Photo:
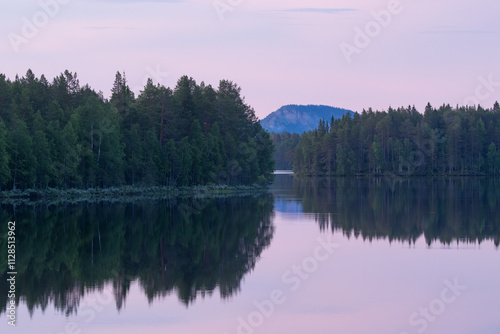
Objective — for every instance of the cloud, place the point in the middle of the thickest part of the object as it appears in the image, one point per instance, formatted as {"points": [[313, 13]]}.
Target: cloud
{"points": [[109, 28], [454, 31], [317, 10], [137, 1]]}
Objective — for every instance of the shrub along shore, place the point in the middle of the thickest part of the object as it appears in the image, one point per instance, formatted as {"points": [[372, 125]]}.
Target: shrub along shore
{"points": [[125, 193]]}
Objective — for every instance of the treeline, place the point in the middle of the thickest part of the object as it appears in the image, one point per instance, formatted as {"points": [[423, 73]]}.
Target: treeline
{"points": [[62, 135], [284, 148], [446, 140]]}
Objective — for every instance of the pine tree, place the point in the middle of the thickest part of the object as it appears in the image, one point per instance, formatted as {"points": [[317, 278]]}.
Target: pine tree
{"points": [[121, 95], [198, 146], [185, 158], [44, 171], [493, 157], [134, 155], [71, 154], [213, 155], [22, 160], [5, 175]]}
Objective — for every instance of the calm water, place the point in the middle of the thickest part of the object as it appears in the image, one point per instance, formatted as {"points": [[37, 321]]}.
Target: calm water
{"points": [[313, 256]]}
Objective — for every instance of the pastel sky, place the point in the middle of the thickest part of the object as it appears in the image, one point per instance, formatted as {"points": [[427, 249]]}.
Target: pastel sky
{"points": [[280, 52]]}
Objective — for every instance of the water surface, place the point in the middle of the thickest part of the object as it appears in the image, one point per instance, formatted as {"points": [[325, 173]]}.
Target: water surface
{"points": [[328, 255]]}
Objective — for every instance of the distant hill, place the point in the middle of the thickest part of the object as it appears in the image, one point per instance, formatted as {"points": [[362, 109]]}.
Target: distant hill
{"points": [[300, 118]]}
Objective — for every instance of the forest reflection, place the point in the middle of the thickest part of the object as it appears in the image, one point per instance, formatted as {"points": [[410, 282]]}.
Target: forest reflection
{"points": [[445, 210], [188, 247]]}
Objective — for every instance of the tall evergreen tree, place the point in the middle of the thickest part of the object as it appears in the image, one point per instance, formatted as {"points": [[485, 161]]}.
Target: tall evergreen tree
{"points": [[44, 172], [5, 175], [22, 159]]}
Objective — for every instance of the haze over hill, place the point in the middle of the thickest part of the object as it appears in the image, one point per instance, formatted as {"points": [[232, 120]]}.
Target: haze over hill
{"points": [[299, 118]]}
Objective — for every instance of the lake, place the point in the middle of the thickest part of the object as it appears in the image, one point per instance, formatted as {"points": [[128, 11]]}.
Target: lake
{"points": [[314, 255]]}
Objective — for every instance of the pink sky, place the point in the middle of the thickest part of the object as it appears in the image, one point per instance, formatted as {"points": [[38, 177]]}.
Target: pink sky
{"points": [[279, 52]]}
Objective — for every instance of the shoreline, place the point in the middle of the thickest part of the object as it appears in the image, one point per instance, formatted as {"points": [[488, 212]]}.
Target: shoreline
{"points": [[124, 194], [399, 175]]}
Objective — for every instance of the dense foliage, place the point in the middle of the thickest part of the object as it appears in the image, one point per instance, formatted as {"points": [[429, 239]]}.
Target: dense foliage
{"points": [[284, 147], [63, 135], [445, 140]]}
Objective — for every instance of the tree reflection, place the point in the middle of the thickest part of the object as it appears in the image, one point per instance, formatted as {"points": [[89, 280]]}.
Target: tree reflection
{"points": [[188, 247], [446, 210]]}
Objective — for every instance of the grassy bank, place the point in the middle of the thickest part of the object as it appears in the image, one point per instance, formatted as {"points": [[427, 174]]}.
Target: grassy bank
{"points": [[124, 194]]}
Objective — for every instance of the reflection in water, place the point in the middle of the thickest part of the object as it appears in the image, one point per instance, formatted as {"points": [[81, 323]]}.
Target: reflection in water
{"points": [[442, 209], [189, 246]]}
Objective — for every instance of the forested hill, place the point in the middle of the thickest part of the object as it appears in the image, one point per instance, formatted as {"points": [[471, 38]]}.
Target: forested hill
{"points": [[300, 118], [60, 134], [444, 140]]}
